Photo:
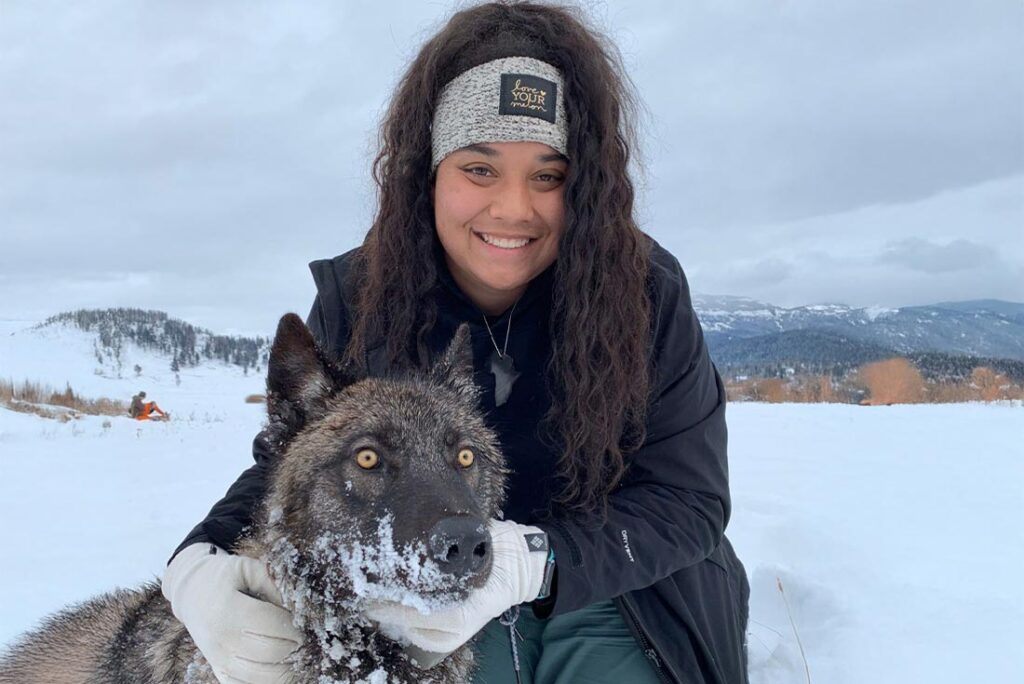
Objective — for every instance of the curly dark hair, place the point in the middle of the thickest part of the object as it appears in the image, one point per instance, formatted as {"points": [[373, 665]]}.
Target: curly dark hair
{"points": [[599, 371]]}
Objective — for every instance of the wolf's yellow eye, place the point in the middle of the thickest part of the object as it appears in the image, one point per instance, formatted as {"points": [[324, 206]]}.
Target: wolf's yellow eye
{"points": [[466, 457], [367, 459]]}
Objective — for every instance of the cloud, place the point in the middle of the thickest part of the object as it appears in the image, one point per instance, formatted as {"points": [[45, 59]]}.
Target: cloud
{"points": [[929, 257], [891, 255], [756, 274], [779, 111], [216, 148]]}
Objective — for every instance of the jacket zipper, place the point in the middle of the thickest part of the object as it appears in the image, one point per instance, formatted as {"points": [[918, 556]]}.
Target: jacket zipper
{"points": [[661, 668]]}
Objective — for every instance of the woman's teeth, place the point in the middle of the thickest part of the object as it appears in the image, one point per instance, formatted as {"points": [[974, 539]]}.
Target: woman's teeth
{"points": [[504, 243]]}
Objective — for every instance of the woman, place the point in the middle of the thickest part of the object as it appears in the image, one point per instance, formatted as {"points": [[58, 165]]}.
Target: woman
{"points": [[504, 201]]}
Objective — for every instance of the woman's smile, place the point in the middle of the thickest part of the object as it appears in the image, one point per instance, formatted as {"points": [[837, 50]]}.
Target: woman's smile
{"points": [[504, 243]]}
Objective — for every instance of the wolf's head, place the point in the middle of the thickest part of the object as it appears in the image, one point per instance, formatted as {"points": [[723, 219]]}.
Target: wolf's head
{"points": [[382, 486]]}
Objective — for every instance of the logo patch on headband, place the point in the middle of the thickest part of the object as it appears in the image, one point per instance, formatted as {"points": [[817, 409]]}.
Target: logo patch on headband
{"points": [[528, 95]]}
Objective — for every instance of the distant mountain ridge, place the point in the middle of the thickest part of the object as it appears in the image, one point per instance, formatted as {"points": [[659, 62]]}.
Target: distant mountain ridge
{"points": [[183, 344], [745, 335]]}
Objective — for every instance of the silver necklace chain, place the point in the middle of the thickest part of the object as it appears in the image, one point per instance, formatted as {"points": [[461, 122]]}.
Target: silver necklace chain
{"points": [[508, 329]]}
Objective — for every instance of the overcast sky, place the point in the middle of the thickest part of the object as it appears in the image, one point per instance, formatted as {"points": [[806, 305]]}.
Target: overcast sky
{"points": [[194, 156]]}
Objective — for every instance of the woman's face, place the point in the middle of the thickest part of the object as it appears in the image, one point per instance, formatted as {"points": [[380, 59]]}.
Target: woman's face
{"points": [[499, 209]]}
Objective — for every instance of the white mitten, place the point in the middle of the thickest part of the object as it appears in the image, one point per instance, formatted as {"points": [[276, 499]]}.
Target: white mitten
{"points": [[232, 610], [516, 577]]}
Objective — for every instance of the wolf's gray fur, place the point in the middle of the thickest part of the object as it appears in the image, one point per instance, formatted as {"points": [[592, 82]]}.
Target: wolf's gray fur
{"points": [[332, 532]]}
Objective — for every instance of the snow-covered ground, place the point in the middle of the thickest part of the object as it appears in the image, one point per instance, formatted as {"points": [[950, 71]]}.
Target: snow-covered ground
{"points": [[897, 532]]}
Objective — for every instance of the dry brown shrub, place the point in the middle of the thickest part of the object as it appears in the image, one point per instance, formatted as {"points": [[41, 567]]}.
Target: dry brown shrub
{"points": [[893, 381], [771, 390], [990, 385], [737, 390], [984, 384], [890, 382], [255, 399], [806, 388], [1015, 392], [62, 414], [24, 397], [949, 393], [811, 389]]}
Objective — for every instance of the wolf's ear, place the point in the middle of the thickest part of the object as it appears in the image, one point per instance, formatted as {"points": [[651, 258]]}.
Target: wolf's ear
{"points": [[455, 367], [299, 377]]}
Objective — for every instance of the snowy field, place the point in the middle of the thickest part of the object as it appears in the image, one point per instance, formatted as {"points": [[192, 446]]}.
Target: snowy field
{"points": [[897, 532]]}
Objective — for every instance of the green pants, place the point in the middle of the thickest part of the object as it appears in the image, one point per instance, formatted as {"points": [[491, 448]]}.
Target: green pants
{"points": [[592, 645]]}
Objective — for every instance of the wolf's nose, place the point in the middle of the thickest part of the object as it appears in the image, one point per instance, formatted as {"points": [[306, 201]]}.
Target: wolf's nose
{"points": [[460, 545]]}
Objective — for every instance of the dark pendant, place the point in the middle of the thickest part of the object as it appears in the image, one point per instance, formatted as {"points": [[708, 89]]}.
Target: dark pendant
{"points": [[504, 375]]}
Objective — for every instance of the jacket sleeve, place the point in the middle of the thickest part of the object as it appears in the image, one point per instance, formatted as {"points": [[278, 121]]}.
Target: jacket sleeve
{"points": [[671, 509], [228, 518]]}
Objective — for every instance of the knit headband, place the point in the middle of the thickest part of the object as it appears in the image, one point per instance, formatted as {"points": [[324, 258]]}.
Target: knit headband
{"points": [[505, 100]]}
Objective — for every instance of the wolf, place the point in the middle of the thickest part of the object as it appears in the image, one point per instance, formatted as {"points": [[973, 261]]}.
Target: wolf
{"points": [[381, 489]]}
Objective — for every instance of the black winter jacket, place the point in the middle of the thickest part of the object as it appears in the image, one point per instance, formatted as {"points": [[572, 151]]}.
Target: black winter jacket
{"points": [[661, 553]]}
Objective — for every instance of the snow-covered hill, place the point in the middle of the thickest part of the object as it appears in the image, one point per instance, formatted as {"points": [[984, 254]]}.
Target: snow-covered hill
{"points": [[182, 343], [61, 353]]}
